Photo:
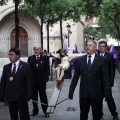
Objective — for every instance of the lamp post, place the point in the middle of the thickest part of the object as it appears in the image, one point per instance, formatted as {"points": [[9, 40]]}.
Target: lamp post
{"points": [[68, 29]]}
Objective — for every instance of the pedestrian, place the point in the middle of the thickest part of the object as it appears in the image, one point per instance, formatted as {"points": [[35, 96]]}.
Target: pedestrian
{"points": [[40, 68], [102, 46], [94, 82], [16, 84]]}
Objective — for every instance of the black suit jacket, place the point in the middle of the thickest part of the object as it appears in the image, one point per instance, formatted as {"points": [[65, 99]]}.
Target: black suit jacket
{"points": [[111, 66], [20, 88], [40, 73], [95, 82]]}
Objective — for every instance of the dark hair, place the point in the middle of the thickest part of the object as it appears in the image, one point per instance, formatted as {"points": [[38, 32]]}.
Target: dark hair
{"points": [[103, 42], [60, 51], [15, 50]]}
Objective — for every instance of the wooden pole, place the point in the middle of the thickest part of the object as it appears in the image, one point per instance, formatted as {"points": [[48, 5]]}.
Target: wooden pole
{"points": [[55, 96]]}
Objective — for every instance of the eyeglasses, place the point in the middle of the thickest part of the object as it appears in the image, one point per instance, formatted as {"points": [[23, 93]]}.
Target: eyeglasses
{"points": [[101, 46], [11, 54], [36, 49]]}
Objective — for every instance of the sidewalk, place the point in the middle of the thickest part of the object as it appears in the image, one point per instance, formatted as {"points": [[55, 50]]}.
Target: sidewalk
{"points": [[69, 109]]}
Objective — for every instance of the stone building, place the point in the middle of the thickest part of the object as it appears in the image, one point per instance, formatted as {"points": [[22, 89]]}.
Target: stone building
{"points": [[29, 28]]}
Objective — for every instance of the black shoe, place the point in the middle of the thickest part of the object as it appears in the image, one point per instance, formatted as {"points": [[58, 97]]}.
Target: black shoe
{"points": [[34, 114], [115, 117], [47, 115]]}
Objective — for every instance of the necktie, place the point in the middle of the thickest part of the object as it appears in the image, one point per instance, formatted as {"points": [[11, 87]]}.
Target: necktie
{"points": [[101, 54], [14, 70], [89, 62]]}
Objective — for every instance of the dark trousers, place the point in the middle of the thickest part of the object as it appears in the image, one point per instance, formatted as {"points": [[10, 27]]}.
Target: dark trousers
{"points": [[21, 108], [43, 98], [95, 106], [111, 105]]}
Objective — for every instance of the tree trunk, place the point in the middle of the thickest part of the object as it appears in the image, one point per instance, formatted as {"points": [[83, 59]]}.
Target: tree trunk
{"points": [[16, 25], [61, 32], [48, 35], [41, 30], [118, 33]]}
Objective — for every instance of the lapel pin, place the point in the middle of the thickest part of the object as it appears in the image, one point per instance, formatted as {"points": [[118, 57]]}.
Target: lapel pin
{"points": [[20, 66]]}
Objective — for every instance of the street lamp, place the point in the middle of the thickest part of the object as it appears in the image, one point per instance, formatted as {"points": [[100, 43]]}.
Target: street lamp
{"points": [[68, 29]]}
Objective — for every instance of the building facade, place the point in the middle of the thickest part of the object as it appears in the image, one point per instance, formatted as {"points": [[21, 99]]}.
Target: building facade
{"points": [[30, 35]]}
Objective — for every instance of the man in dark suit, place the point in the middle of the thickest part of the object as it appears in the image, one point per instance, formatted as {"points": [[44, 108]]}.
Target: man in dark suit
{"points": [[94, 82], [102, 47], [40, 69], [16, 84]]}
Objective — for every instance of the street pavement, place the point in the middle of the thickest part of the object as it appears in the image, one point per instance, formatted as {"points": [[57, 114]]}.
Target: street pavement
{"points": [[69, 109]]}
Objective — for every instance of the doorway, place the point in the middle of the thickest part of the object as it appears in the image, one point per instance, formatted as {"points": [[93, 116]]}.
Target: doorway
{"points": [[23, 41]]}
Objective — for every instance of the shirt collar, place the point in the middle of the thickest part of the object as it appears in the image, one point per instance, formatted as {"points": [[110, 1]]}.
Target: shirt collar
{"points": [[92, 56], [17, 63], [102, 54], [37, 56]]}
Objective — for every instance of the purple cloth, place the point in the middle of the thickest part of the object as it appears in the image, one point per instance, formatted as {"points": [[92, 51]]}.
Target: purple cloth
{"points": [[69, 71]]}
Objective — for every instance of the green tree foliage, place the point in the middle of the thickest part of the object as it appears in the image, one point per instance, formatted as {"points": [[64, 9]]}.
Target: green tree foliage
{"points": [[2, 2], [92, 33], [109, 18], [108, 12], [54, 10]]}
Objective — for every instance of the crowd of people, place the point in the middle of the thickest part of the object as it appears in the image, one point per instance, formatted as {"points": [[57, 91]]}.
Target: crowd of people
{"points": [[21, 81]]}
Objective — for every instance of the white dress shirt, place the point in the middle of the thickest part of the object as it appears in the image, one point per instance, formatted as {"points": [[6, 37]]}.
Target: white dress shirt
{"points": [[92, 57], [102, 54], [17, 64]]}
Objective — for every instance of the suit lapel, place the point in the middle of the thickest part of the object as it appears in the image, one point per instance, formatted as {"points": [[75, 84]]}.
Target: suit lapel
{"points": [[19, 68], [9, 69], [105, 55], [34, 59], [85, 62]]}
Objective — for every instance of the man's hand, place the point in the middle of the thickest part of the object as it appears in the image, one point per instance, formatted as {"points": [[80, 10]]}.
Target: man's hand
{"points": [[108, 96]]}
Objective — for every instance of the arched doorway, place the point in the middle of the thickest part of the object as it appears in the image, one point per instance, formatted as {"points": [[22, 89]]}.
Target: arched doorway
{"points": [[23, 41]]}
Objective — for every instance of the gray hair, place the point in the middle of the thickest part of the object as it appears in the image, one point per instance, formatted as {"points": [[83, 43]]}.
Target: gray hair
{"points": [[92, 42], [36, 46]]}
